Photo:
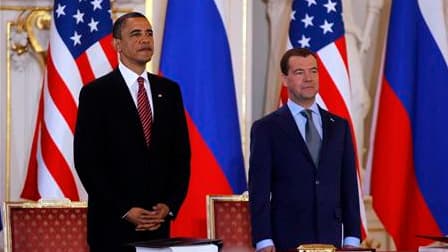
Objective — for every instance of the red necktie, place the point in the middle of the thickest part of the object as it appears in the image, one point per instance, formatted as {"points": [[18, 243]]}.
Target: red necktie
{"points": [[144, 109]]}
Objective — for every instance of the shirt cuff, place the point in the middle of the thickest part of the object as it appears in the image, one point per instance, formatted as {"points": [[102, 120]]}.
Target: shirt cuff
{"points": [[352, 241], [124, 216], [263, 244]]}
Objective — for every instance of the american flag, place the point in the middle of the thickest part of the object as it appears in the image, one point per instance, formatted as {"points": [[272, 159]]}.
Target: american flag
{"points": [[318, 25], [80, 50]]}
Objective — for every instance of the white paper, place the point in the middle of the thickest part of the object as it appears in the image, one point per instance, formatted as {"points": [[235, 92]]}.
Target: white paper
{"points": [[192, 248]]}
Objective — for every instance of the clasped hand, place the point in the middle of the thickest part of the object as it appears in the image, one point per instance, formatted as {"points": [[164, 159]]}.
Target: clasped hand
{"points": [[148, 219]]}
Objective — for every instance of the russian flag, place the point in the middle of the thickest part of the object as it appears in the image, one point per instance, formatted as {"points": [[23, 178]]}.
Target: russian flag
{"points": [[410, 155], [196, 54]]}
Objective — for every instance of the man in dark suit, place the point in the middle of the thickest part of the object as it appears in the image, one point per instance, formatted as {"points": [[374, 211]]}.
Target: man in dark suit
{"points": [[131, 145], [302, 176]]}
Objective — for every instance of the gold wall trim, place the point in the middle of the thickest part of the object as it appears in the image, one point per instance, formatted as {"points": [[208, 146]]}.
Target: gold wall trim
{"points": [[8, 114], [149, 13], [23, 8], [244, 137]]}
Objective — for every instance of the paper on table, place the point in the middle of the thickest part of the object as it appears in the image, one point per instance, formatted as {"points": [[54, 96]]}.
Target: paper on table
{"points": [[191, 248]]}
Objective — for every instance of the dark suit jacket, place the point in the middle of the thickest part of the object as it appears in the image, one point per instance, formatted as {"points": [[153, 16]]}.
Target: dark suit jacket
{"points": [[116, 167], [308, 204]]}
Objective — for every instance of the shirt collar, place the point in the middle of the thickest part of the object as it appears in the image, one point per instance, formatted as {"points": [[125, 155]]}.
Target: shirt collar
{"points": [[129, 76], [296, 108]]}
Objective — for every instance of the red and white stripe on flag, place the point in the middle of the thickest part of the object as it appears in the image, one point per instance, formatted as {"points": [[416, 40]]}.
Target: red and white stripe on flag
{"points": [[80, 50], [318, 25]]}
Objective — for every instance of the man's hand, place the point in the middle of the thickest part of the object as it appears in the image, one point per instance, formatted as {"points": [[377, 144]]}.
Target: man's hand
{"points": [[144, 219], [159, 212], [267, 249], [149, 220]]}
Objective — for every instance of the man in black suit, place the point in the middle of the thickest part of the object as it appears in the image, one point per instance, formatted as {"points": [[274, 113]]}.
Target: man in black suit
{"points": [[131, 145], [302, 176]]}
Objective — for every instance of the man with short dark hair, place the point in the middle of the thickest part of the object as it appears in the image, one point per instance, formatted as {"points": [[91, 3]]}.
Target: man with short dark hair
{"points": [[302, 175], [131, 145]]}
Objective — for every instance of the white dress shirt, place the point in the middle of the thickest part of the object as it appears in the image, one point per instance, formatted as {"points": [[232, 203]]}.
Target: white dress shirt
{"points": [[130, 78]]}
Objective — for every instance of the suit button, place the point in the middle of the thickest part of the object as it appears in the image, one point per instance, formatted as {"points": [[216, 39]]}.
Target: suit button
{"points": [[317, 182]]}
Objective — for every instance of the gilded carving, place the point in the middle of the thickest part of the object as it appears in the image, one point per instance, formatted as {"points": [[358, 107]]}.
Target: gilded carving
{"points": [[24, 36]]}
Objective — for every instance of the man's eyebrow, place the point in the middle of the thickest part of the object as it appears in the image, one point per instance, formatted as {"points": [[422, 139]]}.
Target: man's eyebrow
{"points": [[303, 69], [135, 31], [139, 30]]}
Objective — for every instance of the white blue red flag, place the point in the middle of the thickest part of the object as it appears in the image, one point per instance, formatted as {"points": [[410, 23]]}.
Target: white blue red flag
{"points": [[318, 25], [79, 51], [196, 54], [409, 172]]}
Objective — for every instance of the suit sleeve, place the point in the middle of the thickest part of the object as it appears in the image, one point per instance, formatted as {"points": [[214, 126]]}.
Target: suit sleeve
{"points": [[350, 199], [260, 164], [181, 156], [89, 153]]}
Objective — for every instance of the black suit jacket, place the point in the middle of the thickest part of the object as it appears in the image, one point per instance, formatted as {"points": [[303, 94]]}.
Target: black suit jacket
{"points": [[292, 201], [116, 167]]}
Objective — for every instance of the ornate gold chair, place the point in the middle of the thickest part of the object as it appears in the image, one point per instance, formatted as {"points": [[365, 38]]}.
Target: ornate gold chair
{"points": [[228, 219], [45, 226]]}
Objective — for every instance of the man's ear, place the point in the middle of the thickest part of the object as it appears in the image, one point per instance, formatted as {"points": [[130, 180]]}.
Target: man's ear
{"points": [[116, 44], [283, 79]]}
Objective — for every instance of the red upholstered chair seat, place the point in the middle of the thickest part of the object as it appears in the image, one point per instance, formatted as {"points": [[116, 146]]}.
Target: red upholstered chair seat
{"points": [[52, 227], [228, 219]]}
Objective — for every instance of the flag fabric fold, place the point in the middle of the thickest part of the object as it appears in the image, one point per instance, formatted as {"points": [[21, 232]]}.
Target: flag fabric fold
{"points": [[196, 54], [80, 50], [408, 181], [318, 25]]}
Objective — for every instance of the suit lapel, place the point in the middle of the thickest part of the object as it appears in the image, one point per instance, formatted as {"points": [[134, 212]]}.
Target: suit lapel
{"points": [[127, 104], [161, 109], [289, 126], [328, 131], [158, 97], [124, 95]]}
